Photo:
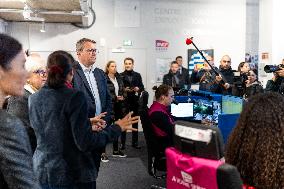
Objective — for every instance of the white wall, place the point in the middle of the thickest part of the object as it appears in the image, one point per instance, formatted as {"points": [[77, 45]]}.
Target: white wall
{"points": [[271, 32], [218, 24]]}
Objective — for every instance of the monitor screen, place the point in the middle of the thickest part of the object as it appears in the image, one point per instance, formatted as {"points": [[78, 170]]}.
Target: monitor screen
{"points": [[182, 110], [206, 110]]}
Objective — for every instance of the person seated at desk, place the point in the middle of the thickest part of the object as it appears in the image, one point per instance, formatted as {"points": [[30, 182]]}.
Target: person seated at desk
{"points": [[255, 146], [161, 119]]}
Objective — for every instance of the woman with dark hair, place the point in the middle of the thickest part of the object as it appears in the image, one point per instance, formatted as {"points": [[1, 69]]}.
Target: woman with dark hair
{"points": [[255, 146], [116, 89], [161, 119], [65, 140], [16, 170], [253, 86]]}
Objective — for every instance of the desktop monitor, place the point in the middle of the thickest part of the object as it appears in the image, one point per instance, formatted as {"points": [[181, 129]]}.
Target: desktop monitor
{"points": [[199, 140]]}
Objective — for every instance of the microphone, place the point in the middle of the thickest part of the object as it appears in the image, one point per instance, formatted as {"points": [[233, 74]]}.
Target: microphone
{"points": [[188, 41]]}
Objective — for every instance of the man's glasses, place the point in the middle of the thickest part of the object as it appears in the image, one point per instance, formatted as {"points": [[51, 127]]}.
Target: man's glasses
{"points": [[41, 73], [92, 50]]}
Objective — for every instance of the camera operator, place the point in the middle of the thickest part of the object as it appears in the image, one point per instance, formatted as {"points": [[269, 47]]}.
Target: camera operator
{"points": [[240, 79], [253, 86], [276, 84], [205, 76]]}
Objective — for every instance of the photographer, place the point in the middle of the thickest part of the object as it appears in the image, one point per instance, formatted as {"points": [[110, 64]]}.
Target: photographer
{"points": [[240, 79], [276, 84]]}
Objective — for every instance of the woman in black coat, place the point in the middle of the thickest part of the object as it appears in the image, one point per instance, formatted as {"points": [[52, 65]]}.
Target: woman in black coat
{"points": [[116, 89], [65, 139]]}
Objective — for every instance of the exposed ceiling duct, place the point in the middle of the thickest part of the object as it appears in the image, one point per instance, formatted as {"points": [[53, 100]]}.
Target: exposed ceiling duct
{"points": [[77, 12]]}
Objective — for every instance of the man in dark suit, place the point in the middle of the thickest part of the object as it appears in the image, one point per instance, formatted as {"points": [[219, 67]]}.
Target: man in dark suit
{"points": [[183, 73], [93, 82], [133, 87]]}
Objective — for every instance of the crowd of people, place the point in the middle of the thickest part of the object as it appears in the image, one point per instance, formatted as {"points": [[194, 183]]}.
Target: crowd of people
{"points": [[56, 118]]}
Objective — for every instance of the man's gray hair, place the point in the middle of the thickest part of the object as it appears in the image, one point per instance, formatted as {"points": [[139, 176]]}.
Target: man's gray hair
{"points": [[81, 42]]}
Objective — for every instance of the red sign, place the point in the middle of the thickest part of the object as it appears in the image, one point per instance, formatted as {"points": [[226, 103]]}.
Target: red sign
{"points": [[162, 45]]}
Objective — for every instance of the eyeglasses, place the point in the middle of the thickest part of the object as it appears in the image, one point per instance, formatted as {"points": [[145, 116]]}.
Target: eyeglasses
{"points": [[92, 50], [41, 73]]}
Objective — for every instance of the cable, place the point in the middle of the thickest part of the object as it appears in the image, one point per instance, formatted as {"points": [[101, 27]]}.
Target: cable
{"points": [[86, 27]]}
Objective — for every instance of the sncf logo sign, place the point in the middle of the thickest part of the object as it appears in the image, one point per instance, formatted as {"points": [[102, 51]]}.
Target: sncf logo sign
{"points": [[161, 45]]}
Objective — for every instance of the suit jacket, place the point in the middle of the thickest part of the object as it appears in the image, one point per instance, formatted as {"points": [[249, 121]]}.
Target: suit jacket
{"points": [[16, 169], [18, 106], [80, 82], [64, 137]]}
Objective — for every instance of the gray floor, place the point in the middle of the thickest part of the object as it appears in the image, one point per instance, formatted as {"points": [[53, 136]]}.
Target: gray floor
{"points": [[127, 173]]}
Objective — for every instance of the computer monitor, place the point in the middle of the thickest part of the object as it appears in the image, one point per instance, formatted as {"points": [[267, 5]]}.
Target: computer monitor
{"points": [[182, 110], [206, 110], [199, 140]]}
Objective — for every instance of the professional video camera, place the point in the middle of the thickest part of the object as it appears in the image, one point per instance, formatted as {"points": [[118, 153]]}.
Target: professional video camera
{"points": [[240, 83], [273, 68]]}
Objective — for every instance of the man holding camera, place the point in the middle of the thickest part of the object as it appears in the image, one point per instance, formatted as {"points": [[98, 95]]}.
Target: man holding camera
{"points": [[276, 84]]}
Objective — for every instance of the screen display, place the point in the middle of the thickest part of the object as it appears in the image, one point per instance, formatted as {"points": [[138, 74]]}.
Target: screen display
{"points": [[182, 110], [206, 110]]}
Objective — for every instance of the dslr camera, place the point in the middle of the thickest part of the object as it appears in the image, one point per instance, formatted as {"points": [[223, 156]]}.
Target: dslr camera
{"points": [[273, 68]]}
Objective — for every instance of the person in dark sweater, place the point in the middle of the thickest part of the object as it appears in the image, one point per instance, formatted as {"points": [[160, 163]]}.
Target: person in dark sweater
{"points": [[133, 86], [116, 89], [66, 137], [227, 75], [161, 119]]}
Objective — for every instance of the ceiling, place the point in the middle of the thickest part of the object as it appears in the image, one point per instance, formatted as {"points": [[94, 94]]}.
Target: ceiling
{"points": [[56, 11]]}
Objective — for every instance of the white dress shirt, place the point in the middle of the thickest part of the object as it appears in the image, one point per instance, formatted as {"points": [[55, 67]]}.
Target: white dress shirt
{"points": [[88, 72]]}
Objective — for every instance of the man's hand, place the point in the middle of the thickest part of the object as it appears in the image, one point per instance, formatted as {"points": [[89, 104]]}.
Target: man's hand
{"points": [[218, 78], [120, 98], [136, 89], [126, 122], [98, 123], [227, 85]]}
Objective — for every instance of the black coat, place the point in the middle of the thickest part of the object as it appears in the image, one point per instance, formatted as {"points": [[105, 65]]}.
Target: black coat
{"points": [[132, 79], [228, 77], [64, 137], [119, 107]]}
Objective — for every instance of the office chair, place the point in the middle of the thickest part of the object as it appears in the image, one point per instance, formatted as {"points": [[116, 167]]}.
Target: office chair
{"points": [[156, 159], [196, 162]]}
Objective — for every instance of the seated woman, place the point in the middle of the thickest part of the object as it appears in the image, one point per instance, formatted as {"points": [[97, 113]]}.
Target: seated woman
{"points": [[161, 119], [18, 106], [255, 146], [65, 139]]}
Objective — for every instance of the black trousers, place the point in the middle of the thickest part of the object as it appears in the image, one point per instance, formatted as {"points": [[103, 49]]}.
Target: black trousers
{"points": [[122, 139]]}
